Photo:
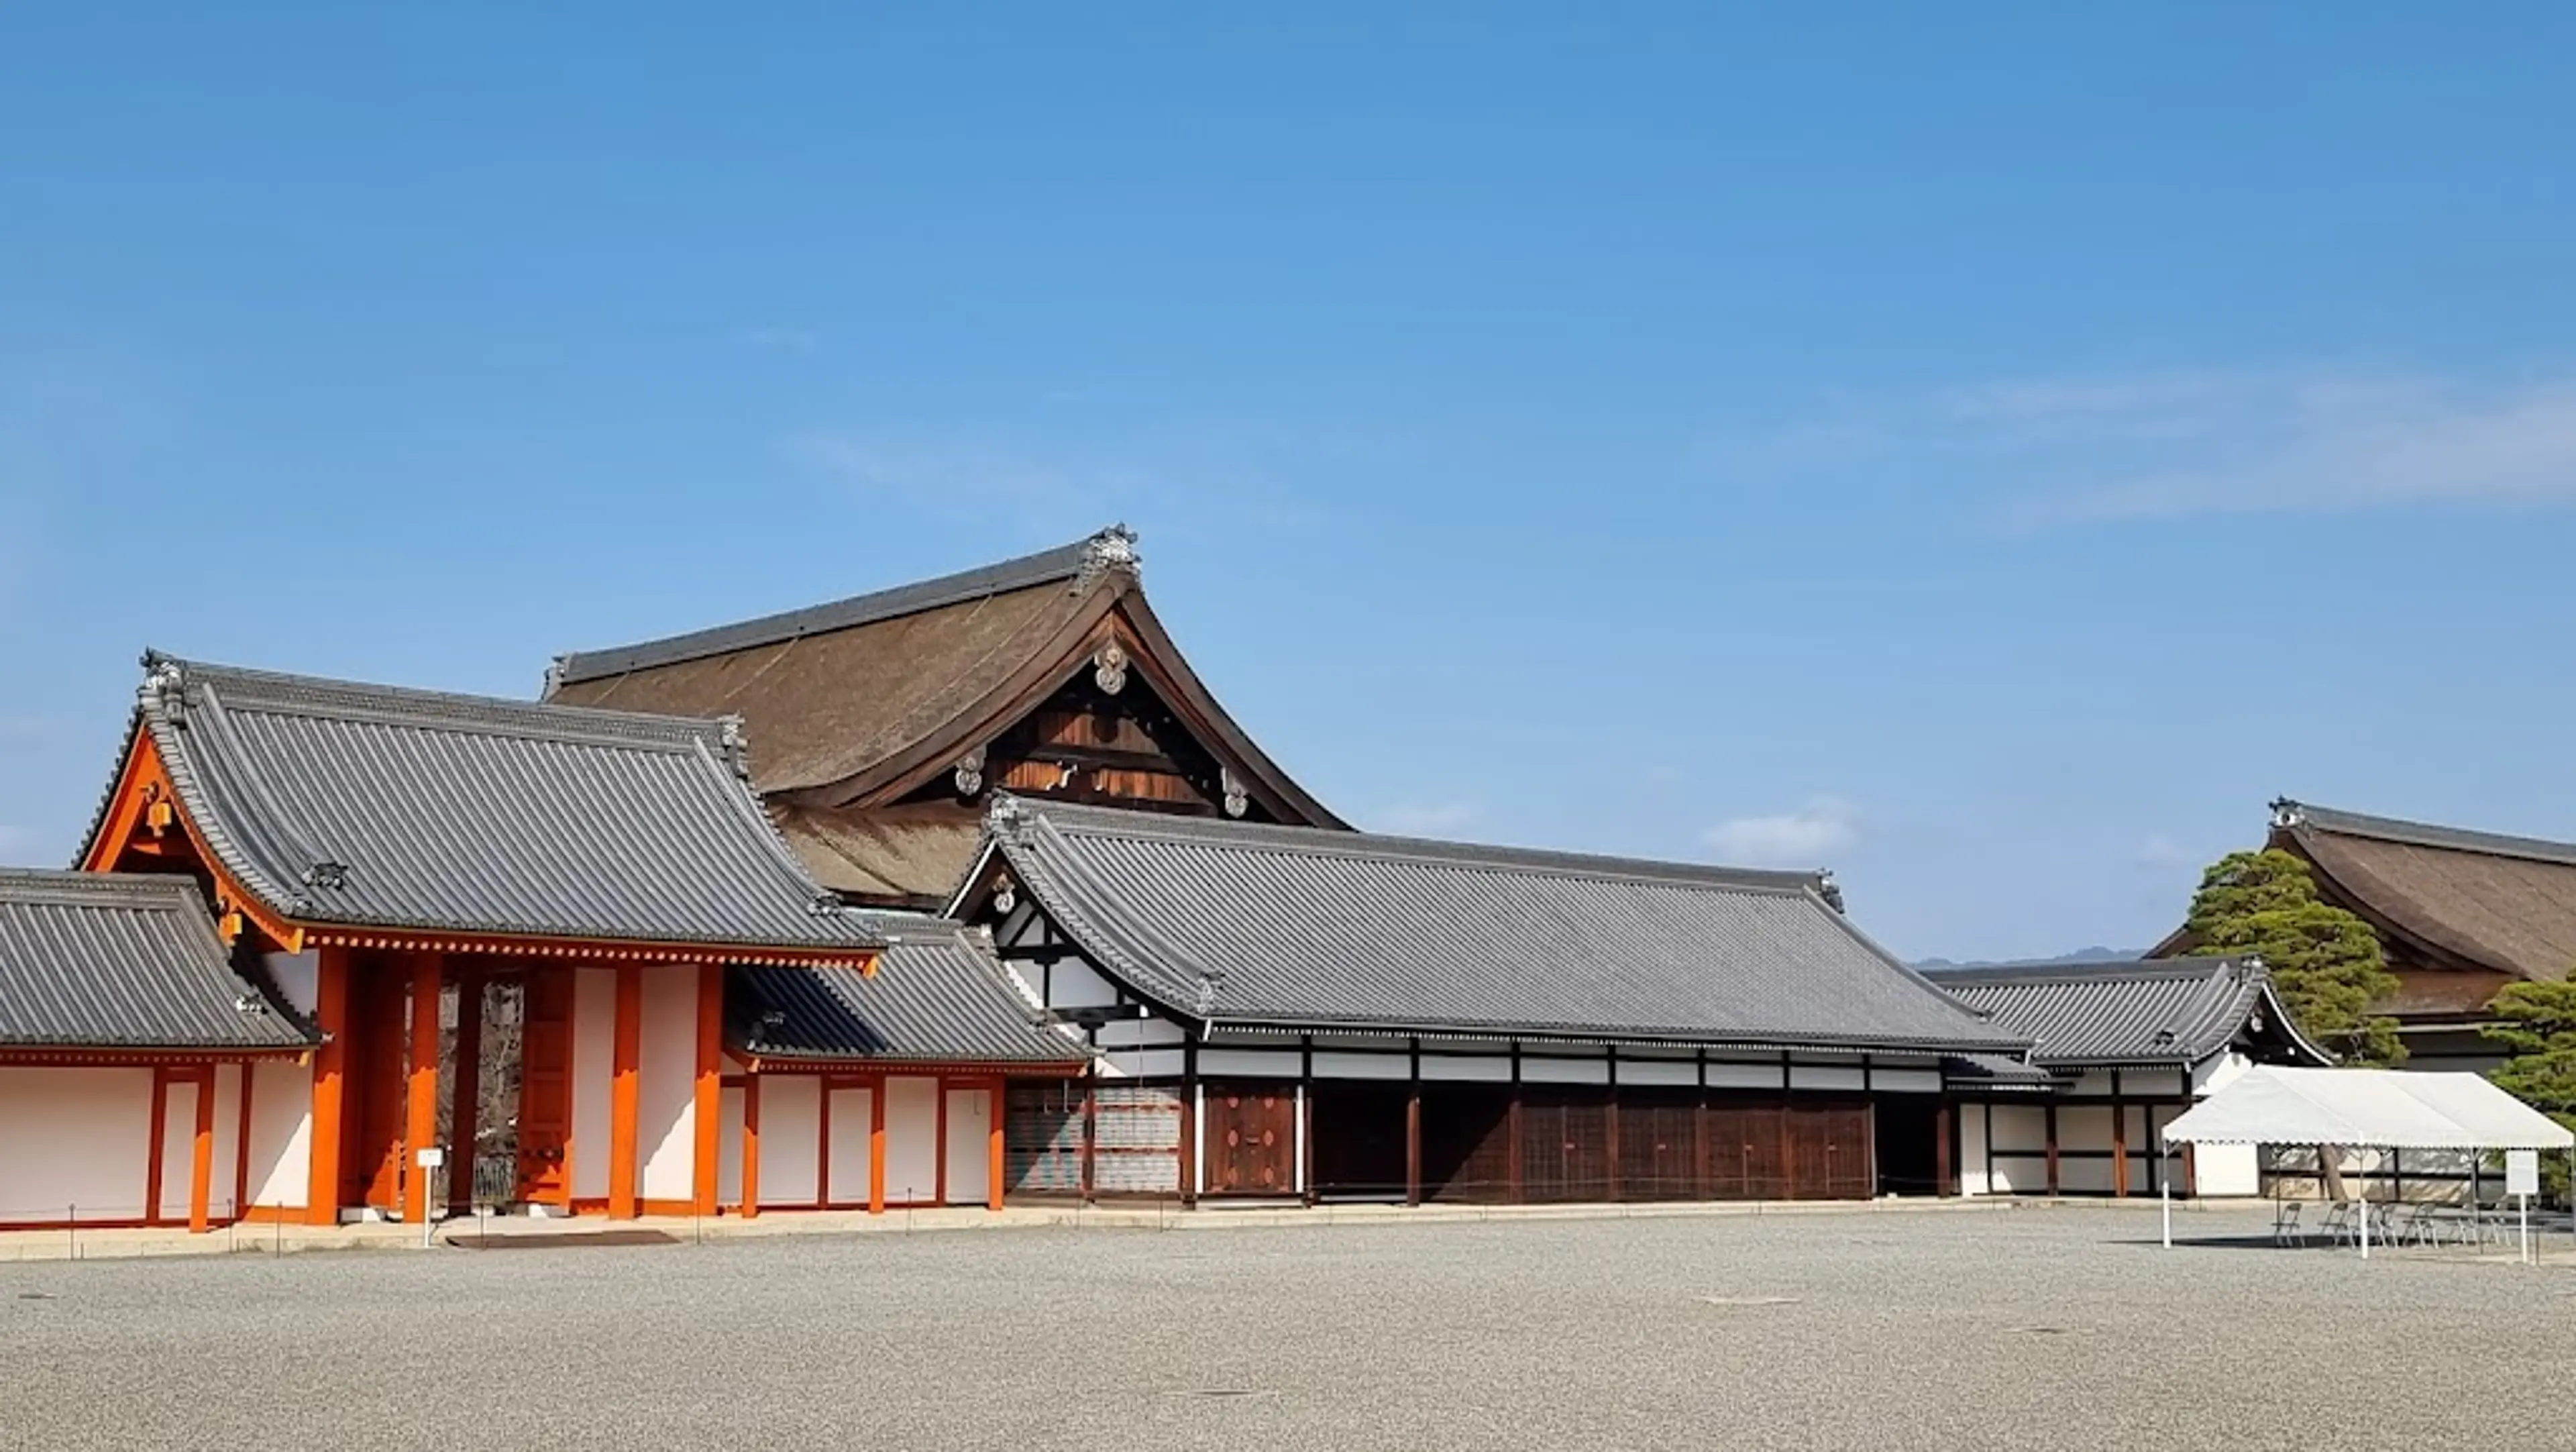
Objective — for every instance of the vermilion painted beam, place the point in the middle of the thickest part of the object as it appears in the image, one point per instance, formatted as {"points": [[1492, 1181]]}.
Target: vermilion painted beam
{"points": [[625, 1054]]}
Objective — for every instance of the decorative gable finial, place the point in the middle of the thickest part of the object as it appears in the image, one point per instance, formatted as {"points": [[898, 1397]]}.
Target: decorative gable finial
{"points": [[554, 677], [1205, 997], [1113, 548], [1830, 890], [2287, 815], [970, 772], [1238, 798], [1109, 668]]}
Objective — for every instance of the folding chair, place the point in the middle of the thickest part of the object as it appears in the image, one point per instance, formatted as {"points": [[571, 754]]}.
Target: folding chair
{"points": [[2339, 1227], [2286, 1229]]}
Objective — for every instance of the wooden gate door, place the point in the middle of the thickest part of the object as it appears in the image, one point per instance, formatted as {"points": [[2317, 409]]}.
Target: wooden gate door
{"points": [[1252, 1142], [1829, 1152], [545, 1088], [371, 1156]]}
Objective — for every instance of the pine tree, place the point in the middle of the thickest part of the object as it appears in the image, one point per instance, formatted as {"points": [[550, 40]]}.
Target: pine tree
{"points": [[2537, 1021], [2326, 962]]}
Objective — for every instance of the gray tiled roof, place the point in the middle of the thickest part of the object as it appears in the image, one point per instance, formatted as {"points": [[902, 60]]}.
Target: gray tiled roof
{"points": [[98, 960], [2171, 1011], [938, 996], [341, 803], [1065, 562], [1232, 922]]}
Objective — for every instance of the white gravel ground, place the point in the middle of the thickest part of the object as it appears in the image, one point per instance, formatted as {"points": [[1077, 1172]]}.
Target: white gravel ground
{"points": [[2024, 1329]]}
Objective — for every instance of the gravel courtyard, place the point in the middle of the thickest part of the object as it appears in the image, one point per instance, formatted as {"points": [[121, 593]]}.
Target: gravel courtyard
{"points": [[2021, 1329]]}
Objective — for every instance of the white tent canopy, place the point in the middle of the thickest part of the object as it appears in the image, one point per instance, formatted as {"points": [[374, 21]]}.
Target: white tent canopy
{"points": [[2366, 1109]]}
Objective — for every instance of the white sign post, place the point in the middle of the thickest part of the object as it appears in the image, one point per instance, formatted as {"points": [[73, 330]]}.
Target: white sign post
{"points": [[2522, 1181], [431, 1158]]}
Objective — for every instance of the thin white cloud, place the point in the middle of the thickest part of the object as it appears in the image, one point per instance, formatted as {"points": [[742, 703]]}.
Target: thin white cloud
{"points": [[1426, 819], [2184, 444], [1805, 837], [15, 841]]}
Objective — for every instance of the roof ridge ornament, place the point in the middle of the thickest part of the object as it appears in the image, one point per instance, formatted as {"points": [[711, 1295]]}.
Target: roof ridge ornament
{"points": [[1237, 796], [1006, 817], [165, 684], [2288, 814], [555, 669], [736, 741], [1111, 549], [1828, 889]]}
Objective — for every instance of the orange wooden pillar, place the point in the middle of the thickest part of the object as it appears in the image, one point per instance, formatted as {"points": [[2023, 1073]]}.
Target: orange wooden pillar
{"points": [[996, 1162], [625, 1053], [201, 1165], [751, 1146], [156, 1151], [420, 1115], [707, 1109], [330, 1085], [876, 1147]]}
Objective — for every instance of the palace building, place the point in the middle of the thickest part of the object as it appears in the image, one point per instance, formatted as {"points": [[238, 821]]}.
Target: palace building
{"points": [[2461, 915], [949, 894]]}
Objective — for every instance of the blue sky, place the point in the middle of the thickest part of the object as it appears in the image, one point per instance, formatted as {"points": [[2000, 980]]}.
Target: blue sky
{"points": [[1986, 450]]}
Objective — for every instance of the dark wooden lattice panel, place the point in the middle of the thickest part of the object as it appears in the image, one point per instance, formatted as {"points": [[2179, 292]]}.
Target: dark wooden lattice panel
{"points": [[1766, 1164], [1565, 1146]]}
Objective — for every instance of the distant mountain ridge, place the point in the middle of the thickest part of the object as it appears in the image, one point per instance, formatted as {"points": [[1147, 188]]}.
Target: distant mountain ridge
{"points": [[2080, 955]]}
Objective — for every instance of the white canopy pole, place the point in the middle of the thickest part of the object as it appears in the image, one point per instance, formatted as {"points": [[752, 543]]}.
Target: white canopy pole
{"points": [[2361, 1205], [2164, 1184]]}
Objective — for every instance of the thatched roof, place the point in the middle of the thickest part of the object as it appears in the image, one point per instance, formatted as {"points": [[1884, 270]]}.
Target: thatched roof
{"points": [[2455, 899]]}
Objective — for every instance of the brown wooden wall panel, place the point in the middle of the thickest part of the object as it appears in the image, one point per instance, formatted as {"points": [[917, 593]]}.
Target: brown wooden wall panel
{"points": [[1467, 1143], [1251, 1138], [1658, 1147], [1565, 1145]]}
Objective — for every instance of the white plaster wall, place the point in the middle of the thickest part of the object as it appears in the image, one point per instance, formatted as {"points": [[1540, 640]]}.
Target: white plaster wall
{"points": [[970, 1161], [1972, 1150], [851, 1111], [791, 1132], [1459, 1068], [2082, 1177], [1564, 1071], [729, 1147], [1361, 1066], [1826, 1076], [281, 1133], [298, 977], [912, 1140], [2082, 1127], [2211, 1075], [1070, 983], [2227, 1169], [2020, 1128], [1658, 1071], [76, 1142], [594, 1050], [1168, 1063], [1743, 1076], [1129, 1033], [178, 1149], [1905, 1081], [1248, 1063], [666, 1117]]}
